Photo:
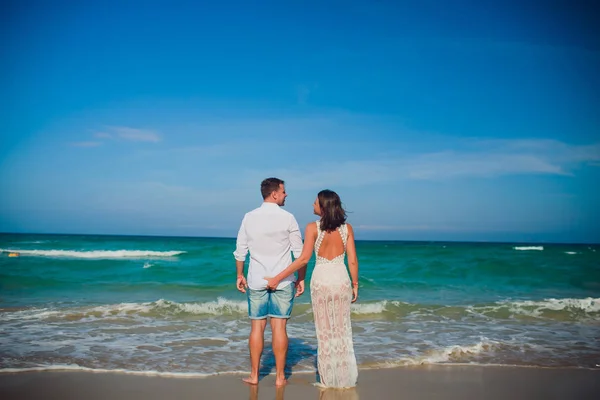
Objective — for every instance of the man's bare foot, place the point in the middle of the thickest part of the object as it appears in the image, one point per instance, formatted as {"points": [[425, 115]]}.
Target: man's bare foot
{"points": [[250, 380], [280, 382]]}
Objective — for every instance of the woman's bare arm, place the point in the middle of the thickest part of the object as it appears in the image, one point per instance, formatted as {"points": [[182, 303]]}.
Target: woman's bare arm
{"points": [[352, 262], [310, 237]]}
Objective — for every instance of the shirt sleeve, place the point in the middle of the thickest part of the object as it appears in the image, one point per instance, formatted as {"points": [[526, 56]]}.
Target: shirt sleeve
{"points": [[241, 247], [295, 238]]}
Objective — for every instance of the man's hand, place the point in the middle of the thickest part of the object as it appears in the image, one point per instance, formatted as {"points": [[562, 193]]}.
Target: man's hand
{"points": [[241, 283], [299, 287]]}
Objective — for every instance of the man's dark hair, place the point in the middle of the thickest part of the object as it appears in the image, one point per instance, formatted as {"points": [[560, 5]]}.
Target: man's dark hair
{"points": [[269, 186]]}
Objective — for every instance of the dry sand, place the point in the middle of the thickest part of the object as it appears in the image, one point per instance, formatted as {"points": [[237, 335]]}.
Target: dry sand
{"points": [[424, 382]]}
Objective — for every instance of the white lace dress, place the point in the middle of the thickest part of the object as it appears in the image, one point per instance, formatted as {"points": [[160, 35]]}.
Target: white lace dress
{"points": [[331, 294]]}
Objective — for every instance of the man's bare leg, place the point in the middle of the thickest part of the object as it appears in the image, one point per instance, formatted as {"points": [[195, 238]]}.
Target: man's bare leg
{"points": [[280, 347], [256, 343]]}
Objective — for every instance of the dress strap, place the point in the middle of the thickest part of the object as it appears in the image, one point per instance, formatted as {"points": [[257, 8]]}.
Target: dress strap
{"points": [[344, 234], [320, 236]]}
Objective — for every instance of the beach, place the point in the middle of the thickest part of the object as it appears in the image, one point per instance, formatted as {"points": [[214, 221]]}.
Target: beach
{"points": [[406, 383], [158, 158], [90, 316]]}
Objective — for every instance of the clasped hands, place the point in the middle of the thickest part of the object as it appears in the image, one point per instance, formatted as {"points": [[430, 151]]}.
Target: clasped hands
{"points": [[272, 284]]}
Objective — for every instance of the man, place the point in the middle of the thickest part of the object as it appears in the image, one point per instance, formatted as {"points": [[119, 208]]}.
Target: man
{"points": [[270, 234]]}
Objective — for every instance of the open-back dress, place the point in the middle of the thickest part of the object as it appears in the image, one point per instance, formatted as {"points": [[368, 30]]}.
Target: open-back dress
{"points": [[331, 293]]}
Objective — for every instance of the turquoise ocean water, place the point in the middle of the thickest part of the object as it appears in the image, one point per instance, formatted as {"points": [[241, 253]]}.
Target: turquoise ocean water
{"points": [[168, 305]]}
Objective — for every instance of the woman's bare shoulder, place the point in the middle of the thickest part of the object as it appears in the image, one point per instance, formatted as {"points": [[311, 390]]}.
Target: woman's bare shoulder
{"points": [[311, 227], [310, 231], [350, 229]]}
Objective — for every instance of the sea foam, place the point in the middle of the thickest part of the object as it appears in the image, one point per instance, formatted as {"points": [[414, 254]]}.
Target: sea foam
{"points": [[75, 367], [574, 308], [587, 305], [219, 307], [97, 254], [372, 308], [482, 352]]}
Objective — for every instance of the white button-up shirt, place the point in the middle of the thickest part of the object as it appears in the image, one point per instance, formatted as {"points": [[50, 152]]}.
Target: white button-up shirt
{"points": [[270, 234]]}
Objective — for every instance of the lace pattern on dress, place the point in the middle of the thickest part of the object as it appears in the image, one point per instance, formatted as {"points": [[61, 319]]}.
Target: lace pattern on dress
{"points": [[343, 231], [331, 295]]}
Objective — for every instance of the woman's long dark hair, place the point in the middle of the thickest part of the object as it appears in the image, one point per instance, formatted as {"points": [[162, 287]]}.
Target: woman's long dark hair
{"points": [[332, 213]]}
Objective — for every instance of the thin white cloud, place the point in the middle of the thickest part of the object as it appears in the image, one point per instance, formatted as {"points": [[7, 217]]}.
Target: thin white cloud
{"points": [[398, 228], [123, 133], [555, 149], [411, 156], [136, 135], [86, 144], [425, 228], [158, 194], [478, 159], [455, 164], [488, 158]]}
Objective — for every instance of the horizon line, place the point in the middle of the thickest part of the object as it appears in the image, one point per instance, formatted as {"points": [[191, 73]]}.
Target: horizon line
{"points": [[357, 240]]}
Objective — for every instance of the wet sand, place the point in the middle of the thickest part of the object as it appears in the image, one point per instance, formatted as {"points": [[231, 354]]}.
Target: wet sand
{"points": [[423, 382]]}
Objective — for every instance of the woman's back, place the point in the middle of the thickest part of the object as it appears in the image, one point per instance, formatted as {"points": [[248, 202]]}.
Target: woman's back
{"points": [[331, 245]]}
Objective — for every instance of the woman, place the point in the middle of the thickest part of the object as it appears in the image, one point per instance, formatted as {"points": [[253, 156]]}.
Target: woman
{"points": [[330, 289]]}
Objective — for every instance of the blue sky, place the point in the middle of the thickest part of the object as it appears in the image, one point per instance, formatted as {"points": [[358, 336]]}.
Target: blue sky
{"points": [[440, 121]]}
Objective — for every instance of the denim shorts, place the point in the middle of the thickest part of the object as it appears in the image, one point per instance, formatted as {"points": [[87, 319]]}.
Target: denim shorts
{"points": [[271, 303]]}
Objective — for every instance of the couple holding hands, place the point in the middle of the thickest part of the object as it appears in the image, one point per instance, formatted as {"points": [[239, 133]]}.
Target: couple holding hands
{"points": [[270, 234]]}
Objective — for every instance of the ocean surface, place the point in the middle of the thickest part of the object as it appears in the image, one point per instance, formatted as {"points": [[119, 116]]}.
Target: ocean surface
{"points": [[166, 305]]}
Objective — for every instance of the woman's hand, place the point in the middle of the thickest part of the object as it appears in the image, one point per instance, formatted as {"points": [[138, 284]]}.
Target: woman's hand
{"points": [[272, 283], [354, 293]]}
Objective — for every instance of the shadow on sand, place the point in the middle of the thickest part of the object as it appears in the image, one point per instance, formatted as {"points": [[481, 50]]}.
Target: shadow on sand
{"points": [[298, 350]]}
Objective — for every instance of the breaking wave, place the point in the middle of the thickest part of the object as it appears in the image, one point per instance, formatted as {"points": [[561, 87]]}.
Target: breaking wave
{"points": [[75, 367], [97, 254], [556, 309], [480, 353]]}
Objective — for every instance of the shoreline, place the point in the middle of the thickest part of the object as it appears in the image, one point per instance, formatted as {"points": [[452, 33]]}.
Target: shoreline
{"points": [[201, 375], [410, 382]]}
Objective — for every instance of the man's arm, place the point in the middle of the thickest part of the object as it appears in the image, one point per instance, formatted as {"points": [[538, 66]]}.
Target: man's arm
{"points": [[241, 250], [239, 266], [240, 281]]}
